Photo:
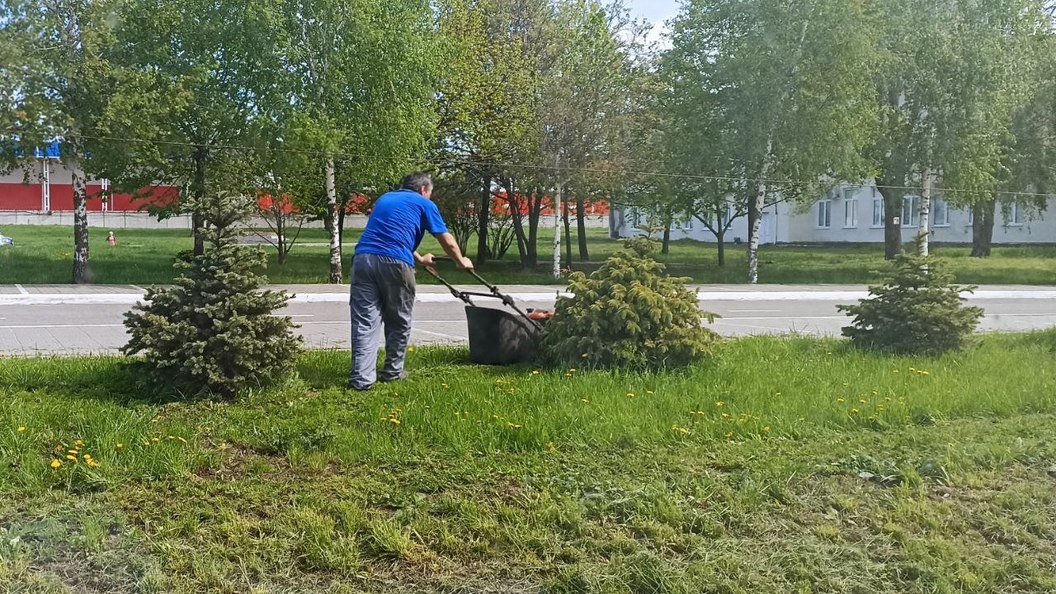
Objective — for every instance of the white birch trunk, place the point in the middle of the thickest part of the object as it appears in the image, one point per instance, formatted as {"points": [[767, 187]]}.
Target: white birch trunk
{"points": [[332, 228], [558, 202], [925, 215], [81, 274]]}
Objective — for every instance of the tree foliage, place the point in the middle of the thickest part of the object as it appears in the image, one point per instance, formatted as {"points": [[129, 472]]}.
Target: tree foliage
{"points": [[628, 314], [215, 331]]}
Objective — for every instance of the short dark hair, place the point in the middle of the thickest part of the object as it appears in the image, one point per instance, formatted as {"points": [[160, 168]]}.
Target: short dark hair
{"points": [[416, 181]]}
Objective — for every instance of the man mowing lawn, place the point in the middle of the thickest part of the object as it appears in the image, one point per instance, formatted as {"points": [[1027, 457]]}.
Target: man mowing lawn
{"points": [[383, 284]]}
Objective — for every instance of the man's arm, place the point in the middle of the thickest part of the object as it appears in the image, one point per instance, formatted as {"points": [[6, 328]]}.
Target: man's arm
{"points": [[447, 241]]}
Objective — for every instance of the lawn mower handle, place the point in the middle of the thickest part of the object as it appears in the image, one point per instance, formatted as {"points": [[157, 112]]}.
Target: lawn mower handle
{"points": [[495, 293]]}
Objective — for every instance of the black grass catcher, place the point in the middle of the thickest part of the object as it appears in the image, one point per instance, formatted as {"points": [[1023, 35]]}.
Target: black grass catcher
{"points": [[498, 336]]}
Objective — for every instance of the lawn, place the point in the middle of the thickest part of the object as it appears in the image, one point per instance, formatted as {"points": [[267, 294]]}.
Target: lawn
{"points": [[44, 255], [784, 465]]}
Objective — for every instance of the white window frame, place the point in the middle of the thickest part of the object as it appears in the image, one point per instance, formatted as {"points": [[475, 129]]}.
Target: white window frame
{"points": [[878, 214], [824, 220], [913, 220], [850, 193], [1015, 216], [945, 211], [850, 213]]}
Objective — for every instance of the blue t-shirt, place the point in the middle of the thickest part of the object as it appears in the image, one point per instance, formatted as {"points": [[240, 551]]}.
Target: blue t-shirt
{"points": [[397, 225]]}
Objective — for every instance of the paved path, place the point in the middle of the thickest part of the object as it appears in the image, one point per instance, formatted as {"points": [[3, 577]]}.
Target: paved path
{"points": [[65, 319]]}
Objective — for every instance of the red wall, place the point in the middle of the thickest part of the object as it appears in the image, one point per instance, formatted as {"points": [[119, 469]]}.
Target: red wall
{"points": [[19, 196], [27, 197]]}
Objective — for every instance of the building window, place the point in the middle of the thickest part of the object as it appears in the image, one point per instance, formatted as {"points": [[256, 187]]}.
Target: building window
{"points": [[850, 214], [1015, 217], [687, 224], [634, 217], [940, 214], [728, 214], [824, 214], [911, 211], [971, 216], [849, 193], [878, 212]]}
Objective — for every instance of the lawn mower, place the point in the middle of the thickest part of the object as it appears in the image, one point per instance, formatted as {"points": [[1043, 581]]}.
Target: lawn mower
{"points": [[497, 336]]}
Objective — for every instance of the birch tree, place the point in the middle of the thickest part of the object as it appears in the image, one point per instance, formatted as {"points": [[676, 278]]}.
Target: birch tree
{"points": [[788, 81]]}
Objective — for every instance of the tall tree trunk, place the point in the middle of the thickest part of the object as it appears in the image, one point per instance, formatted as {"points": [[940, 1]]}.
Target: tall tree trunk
{"points": [[983, 228], [333, 230], [566, 219], [665, 245], [581, 228], [343, 206], [755, 217], [483, 221], [81, 273], [535, 212], [925, 215], [893, 197], [518, 222], [720, 239], [558, 203], [198, 193], [280, 232]]}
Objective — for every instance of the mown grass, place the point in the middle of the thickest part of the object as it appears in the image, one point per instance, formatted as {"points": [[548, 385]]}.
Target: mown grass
{"points": [[783, 465], [43, 255]]}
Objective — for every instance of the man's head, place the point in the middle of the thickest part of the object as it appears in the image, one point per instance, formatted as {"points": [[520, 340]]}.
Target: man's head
{"points": [[420, 182]]}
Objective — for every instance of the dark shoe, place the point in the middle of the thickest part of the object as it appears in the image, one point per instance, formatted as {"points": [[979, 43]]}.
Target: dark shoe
{"points": [[403, 375], [352, 386]]}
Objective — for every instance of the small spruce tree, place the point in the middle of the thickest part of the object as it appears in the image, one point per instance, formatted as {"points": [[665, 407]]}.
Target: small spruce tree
{"points": [[628, 314], [213, 331], [916, 311]]}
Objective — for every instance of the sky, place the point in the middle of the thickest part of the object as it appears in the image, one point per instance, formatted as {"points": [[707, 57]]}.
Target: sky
{"points": [[654, 11]]}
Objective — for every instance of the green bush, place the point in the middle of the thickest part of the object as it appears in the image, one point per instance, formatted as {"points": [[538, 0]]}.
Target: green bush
{"points": [[628, 314], [213, 331], [916, 311]]}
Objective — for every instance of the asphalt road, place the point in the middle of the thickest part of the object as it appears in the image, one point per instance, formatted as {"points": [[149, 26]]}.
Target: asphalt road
{"points": [[81, 320]]}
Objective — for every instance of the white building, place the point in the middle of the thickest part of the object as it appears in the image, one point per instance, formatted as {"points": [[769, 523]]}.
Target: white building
{"points": [[855, 214]]}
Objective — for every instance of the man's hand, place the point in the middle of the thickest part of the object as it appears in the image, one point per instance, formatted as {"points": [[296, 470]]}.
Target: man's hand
{"points": [[465, 263], [427, 260]]}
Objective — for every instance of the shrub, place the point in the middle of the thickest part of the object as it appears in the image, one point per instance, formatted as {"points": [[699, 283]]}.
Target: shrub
{"points": [[628, 314], [213, 331], [916, 311]]}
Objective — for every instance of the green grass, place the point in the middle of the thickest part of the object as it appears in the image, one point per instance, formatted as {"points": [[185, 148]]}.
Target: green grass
{"points": [[43, 255], [785, 465]]}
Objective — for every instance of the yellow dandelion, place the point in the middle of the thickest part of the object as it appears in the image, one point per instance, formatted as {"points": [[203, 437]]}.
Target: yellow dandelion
{"points": [[74, 452], [678, 429], [551, 446], [766, 429], [78, 443], [445, 385], [584, 401], [71, 457], [862, 402], [924, 373], [21, 428], [725, 415], [854, 411], [394, 421], [120, 445], [92, 464], [410, 349], [650, 392], [840, 400], [56, 464], [720, 404], [513, 425], [630, 394], [535, 372], [729, 435]]}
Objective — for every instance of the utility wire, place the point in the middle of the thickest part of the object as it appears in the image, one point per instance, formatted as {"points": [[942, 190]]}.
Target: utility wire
{"points": [[483, 163]]}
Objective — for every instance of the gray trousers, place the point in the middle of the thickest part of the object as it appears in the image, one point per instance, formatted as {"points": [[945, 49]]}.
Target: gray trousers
{"points": [[382, 294]]}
